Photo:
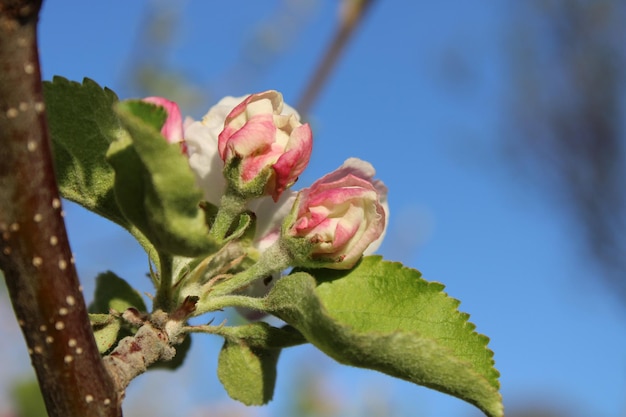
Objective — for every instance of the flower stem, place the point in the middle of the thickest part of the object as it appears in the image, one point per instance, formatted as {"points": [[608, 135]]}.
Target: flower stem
{"points": [[218, 303], [274, 259], [231, 206], [163, 299]]}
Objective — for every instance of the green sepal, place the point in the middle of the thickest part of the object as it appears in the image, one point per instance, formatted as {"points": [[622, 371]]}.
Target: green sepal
{"points": [[383, 316], [246, 189], [242, 228], [154, 184], [298, 248], [106, 329], [114, 293]]}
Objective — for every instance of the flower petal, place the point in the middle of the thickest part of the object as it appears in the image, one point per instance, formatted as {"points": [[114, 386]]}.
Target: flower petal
{"points": [[172, 129]]}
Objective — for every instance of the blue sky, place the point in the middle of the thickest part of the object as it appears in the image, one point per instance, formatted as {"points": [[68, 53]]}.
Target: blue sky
{"points": [[459, 213]]}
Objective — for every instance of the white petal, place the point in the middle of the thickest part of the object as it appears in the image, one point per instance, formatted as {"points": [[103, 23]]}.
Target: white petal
{"points": [[365, 169], [288, 110], [205, 161], [214, 119], [373, 247]]}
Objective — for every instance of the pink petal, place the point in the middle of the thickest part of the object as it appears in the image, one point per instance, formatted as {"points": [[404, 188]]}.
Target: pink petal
{"points": [[172, 129]]}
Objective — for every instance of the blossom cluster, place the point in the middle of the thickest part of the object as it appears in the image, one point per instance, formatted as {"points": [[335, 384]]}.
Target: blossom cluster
{"points": [[255, 148]]}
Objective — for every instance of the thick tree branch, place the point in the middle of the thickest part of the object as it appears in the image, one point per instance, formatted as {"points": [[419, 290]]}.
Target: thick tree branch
{"points": [[34, 249]]}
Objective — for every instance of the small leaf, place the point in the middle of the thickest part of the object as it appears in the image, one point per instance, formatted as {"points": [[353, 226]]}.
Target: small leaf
{"points": [[106, 329], [154, 184], [247, 362], [247, 373], [113, 293], [383, 316]]}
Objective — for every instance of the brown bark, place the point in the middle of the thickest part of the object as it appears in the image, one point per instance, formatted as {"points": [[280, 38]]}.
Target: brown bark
{"points": [[34, 251]]}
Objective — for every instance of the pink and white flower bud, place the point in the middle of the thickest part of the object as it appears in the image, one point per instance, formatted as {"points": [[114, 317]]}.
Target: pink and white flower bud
{"points": [[204, 160], [334, 221], [269, 149], [172, 129]]}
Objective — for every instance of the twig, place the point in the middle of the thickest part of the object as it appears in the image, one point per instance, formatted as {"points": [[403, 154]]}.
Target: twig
{"points": [[352, 15], [34, 250], [134, 354]]}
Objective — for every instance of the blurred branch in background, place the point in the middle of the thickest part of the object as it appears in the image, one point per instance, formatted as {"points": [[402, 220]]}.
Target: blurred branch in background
{"points": [[569, 72], [352, 13], [266, 42], [153, 72]]}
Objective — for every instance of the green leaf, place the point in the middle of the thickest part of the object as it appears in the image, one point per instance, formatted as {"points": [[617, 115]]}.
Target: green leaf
{"points": [[247, 373], [154, 184], [247, 362], [106, 329], [383, 316], [82, 126], [113, 293]]}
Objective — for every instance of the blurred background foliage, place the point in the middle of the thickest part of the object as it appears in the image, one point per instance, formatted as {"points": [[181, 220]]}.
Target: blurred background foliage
{"points": [[565, 111]]}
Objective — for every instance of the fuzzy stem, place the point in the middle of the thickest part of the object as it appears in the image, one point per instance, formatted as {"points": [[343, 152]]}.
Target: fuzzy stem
{"points": [[274, 259], [231, 206], [220, 302], [163, 299]]}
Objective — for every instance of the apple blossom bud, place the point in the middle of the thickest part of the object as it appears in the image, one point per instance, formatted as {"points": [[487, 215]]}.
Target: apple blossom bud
{"points": [[264, 151], [172, 129], [334, 221]]}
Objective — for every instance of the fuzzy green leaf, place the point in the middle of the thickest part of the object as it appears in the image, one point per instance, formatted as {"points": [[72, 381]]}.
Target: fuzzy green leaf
{"points": [[247, 373], [154, 185], [106, 329], [247, 362], [383, 316], [113, 293], [82, 126]]}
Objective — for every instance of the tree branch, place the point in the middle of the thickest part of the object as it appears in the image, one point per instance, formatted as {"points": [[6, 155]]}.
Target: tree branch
{"points": [[353, 14], [34, 250]]}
